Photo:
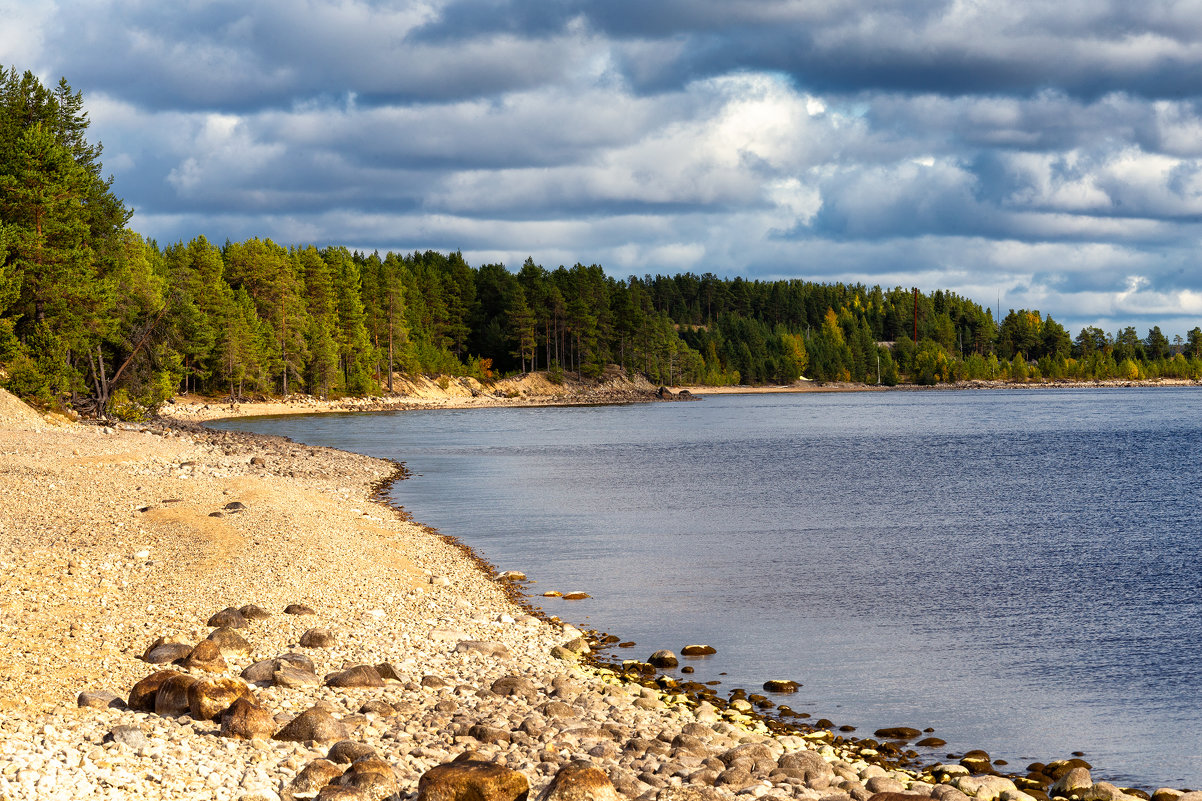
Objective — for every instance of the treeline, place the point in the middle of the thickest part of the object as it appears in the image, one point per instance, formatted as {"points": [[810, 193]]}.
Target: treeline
{"points": [[93, 315]]}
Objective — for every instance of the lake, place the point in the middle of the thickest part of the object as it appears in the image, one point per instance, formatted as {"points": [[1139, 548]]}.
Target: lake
{"points": [[1018, 569]]}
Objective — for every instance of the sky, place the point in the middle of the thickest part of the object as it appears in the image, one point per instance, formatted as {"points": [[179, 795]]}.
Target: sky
{"points": [[1033, 154]]}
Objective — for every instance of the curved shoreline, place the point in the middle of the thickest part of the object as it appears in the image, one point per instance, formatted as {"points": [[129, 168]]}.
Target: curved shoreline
{"points": [[895, 754], [113, 536]]}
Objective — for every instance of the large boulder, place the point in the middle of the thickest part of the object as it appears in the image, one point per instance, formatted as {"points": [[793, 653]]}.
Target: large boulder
{"points": [[142, 695], [357, 676], [317, 638], [809, 766], [230, 642], [580, 781], [244, 720], [663, 659], [371, 775], [172, 698], [472, 780], [229, 618], [316, 775], [1074, 781], [206, 656], [315, 724], [208, 698]]}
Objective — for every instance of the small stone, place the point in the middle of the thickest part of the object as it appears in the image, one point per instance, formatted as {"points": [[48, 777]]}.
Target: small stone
{"points": [[486, 647], [387, 672], [161, 652], [131, 736], [512, 575], [515, 685], [580, 781], [698, 650], [235, 506], [377, 707], [257, 461], [897, 733], [298, 609], [316, 775], [317, 638], [1074, 781], [577, 595], [288, 675]]}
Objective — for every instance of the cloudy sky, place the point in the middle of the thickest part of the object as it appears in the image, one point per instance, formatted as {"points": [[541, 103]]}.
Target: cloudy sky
{"points": [[1049, 153]]}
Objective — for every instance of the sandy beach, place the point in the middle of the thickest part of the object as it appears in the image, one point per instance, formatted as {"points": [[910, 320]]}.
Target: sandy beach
{"points": [[400, 651]]}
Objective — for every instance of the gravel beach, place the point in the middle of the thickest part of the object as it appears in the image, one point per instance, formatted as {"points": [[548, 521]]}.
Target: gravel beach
{"points": [[368, 651]]}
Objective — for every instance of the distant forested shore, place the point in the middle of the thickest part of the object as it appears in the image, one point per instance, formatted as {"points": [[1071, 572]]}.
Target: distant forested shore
{"points": [[96, 317]]}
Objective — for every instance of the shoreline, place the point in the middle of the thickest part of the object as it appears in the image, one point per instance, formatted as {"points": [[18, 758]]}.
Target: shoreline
{"points": [[896, 754], [118, 535]]}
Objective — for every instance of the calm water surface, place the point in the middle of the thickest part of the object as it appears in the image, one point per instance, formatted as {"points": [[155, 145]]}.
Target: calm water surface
{"points": [[1018, 569]]}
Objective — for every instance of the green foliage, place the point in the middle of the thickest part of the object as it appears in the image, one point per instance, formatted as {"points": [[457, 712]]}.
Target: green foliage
{"points": [[91, 314]]}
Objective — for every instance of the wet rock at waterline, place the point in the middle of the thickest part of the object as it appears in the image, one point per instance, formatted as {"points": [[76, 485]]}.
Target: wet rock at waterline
{"points": [[663, 659], [698, 650], [781, 686]]}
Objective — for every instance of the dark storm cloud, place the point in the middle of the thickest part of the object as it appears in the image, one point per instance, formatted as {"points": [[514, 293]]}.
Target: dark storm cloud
{"points": [[1051, 152]]}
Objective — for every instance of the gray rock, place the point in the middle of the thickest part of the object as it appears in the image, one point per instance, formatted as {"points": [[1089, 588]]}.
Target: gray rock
{"points": [[515, 686], [131, 736], [294, 677], [99, 699], [486, 647], [316, 775], [663, 659], [162, 653], [172, 698], [1076, 780], [809, 766], [298, 609]]}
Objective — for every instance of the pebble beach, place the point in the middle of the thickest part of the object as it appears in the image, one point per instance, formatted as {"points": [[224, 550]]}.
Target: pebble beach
{"points": [[194, 614]]}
